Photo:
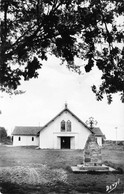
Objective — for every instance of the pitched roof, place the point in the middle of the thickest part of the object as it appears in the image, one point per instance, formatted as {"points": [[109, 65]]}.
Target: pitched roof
{"points": [[66, 109], [26, 130], [97, 131], [29, 130]]}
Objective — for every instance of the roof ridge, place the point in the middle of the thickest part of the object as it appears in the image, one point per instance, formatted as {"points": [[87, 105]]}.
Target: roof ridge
{"points": [[66, 109], [26, 130]]}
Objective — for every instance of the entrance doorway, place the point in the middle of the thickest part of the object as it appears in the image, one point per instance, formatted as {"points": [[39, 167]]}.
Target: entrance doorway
{"points": [[65, 142]]}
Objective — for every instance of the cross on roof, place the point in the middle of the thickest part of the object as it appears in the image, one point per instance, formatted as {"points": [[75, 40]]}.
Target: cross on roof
{"points": [[66, 105]]}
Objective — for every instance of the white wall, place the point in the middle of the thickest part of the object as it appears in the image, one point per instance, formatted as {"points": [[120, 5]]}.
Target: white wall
{"points": [[50, 136], [25, 140]]}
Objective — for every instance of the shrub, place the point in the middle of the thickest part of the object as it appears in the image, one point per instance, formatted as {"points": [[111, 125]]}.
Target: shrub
{"points": [[3, 134]]}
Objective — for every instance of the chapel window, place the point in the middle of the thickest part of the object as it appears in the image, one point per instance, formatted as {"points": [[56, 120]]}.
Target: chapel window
{"points": [[68, 125], [63, 125]]}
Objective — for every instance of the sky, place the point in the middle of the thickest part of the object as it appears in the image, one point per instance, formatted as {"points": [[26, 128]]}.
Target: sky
{"points": [[46, 96]]}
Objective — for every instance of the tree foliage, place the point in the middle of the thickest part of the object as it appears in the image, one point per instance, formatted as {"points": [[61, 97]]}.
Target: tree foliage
{"points": [[86, 29], [3, 133]]}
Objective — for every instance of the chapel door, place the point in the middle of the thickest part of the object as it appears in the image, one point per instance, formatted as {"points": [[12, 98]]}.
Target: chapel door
{"points": [[65, 142]]}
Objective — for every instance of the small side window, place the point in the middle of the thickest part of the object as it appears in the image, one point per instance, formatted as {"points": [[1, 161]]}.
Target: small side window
{"points": [[19, 139], [32, 138]]}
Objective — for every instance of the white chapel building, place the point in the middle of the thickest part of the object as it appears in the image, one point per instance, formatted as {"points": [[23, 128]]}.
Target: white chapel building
{"points": [[64, 131]]}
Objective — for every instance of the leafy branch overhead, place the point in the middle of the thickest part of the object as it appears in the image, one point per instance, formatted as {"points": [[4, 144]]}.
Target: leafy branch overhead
{"points": [[30, 29]]}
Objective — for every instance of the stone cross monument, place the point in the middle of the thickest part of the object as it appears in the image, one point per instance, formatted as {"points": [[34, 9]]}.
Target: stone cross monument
{"points": [[92, 151]]}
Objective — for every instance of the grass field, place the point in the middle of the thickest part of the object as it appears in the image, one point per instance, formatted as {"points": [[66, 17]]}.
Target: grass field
{"points": [[30, 171]]}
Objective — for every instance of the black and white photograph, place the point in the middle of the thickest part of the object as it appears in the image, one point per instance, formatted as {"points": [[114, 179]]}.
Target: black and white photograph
{"points": [[61, 97]]}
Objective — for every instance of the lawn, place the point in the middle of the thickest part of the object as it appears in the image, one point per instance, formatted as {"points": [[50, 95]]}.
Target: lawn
{"points": [[30, 171]]}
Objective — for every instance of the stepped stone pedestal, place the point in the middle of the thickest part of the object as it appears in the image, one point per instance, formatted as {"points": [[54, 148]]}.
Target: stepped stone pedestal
{"points": [[92, 158]]}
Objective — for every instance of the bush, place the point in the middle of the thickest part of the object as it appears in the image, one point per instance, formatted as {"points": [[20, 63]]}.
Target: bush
{"points": [[3, 134], [68, 168]]}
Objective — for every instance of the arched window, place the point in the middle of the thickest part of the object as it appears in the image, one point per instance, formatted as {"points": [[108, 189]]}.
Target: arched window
{"points": [[63, 125], [68, 125]]}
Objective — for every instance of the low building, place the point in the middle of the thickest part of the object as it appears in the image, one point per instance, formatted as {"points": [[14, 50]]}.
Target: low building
{"points": [[26, 136]]}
